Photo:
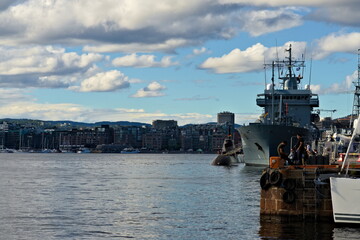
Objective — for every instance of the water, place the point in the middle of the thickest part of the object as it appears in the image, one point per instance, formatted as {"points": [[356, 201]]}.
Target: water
{"points": [[140, 196]]}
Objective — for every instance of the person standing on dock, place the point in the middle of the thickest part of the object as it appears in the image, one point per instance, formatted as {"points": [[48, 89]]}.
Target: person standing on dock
{"points": [[281, 151], [299, 149]]}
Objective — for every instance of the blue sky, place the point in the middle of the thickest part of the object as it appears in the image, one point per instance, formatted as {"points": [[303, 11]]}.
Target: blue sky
{"points": [[142, 60]]}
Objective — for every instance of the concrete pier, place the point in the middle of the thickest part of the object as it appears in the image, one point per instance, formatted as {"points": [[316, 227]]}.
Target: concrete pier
{"points": [[296, 192]]}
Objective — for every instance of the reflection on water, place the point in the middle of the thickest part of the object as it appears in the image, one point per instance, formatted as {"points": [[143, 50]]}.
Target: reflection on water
{"points": [[141, 196], [281, 228], [277, 229]]}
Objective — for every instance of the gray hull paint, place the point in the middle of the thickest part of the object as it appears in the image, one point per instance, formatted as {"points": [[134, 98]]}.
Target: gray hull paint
{"points": [[260, 141]]}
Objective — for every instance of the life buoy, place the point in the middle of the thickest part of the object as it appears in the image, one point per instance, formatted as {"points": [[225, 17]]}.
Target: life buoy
{"points": [[289, 197], [289, 183], [275, 178], [264, 181]]}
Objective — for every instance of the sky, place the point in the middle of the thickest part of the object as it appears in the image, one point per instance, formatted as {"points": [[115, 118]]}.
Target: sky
{"points": [[144, 60]]}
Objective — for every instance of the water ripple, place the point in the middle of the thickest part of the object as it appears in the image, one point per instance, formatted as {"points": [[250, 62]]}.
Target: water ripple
{"points": [[113, 196]]}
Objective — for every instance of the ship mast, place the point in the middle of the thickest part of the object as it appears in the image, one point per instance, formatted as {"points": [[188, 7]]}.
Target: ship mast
{"points": [[290, 65], [272, 93], [356, 103]]}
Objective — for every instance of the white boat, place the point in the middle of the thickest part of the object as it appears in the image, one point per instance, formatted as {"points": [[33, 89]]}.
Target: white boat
{"points": [[345, 196], [84, 150], [345, 188], [130, 150]]}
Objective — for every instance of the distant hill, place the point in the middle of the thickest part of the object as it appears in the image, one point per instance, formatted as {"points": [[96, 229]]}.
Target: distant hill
{"points": [[70, 123], [123, 123]]}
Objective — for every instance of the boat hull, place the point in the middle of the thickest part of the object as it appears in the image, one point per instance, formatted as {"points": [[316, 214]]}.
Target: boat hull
{"points": [[260, 141], [345, 195]]}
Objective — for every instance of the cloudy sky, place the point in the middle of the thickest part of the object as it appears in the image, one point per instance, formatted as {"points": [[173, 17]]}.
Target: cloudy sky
{"points": [[141, 60]]}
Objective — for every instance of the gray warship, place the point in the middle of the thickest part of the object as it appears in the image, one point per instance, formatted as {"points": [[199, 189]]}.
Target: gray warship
{"points": [[288, 111]]}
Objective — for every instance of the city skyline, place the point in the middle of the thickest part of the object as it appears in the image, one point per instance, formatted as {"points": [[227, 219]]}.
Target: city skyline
{"points": [[138, 61]]}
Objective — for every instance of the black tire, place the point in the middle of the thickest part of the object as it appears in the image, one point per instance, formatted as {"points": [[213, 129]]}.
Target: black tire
{"points": [[289, 184], [275, 178], [264, 181], [289, 197]]}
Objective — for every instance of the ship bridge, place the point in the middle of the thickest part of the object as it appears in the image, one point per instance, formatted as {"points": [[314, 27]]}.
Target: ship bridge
{"points": [[292, 107]]}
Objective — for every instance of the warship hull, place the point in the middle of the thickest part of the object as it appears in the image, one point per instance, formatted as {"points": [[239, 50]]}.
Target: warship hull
{"points": [[260, 141]]}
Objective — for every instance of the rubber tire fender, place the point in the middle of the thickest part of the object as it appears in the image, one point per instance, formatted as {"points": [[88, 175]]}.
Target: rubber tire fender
{"points": [[289, 197], [264, 181], [275, 178], [289, 184]]}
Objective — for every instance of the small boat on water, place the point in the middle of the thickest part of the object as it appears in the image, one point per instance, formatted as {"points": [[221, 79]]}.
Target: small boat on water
{"points": [[130, 150], [345, 188], [84, 150], [7, 150]]}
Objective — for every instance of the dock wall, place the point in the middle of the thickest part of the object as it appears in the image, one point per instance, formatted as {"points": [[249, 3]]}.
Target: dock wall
{"points": [[296, 193]]}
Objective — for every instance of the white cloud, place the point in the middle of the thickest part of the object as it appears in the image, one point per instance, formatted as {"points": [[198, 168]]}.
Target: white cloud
{"points": [[42, 66], [279, 3], [129, 26], [345, 86], [104, 82], [9, 95], [237, 61], [161, 46], [200, 51], [198, 98], [4, 4], [341, 12], [315, 88], [246, 118], [337, 42], [112, 25], [154, 89], [39, 59], [260, 22], [196, 118], [251, 59], [143, 61], [20, 104]]}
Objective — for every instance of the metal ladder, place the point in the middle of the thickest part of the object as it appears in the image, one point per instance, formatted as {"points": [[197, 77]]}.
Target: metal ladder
{"points": [[309, 194]]}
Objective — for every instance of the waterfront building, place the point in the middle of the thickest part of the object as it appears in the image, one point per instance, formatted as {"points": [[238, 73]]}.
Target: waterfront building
{"points": [[164, 135], [164, 124], [89, 138], [153, 141], [130, 136], [226, 117]]}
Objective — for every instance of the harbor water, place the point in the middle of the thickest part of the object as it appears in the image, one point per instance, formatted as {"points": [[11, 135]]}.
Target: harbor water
{"points": [[139, 196]]}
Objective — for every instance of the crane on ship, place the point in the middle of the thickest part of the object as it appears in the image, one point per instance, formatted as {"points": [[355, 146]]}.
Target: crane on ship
{"points": [[331, 111]]}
